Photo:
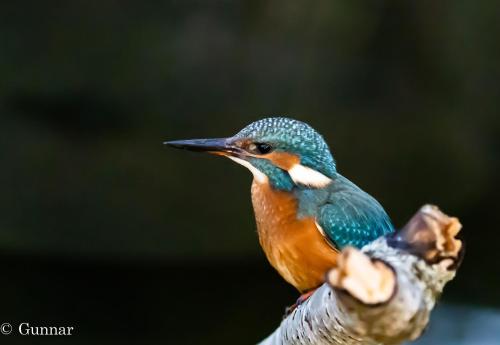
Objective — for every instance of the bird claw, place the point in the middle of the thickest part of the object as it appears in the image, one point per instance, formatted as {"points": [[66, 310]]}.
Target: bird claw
{"points": [[302, 298], [289, 310]]}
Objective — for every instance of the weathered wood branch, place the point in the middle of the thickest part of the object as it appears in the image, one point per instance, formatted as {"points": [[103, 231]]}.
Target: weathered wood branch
{"points": [[383, 293]]}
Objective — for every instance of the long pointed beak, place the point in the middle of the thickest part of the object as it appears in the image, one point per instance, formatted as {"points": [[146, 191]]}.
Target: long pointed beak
{"points": [[216, 146]]}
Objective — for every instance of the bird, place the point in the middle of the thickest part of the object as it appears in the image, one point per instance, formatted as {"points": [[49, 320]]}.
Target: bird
{"points": [[306, 212]]}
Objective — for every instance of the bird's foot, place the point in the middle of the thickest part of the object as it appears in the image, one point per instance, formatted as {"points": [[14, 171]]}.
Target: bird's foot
{"points": [[302, 298]]}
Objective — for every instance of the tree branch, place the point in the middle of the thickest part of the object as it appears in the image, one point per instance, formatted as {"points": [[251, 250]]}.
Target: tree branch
{"points": [[383, 293]]}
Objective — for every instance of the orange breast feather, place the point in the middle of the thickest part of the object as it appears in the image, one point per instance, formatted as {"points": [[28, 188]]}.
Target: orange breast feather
{"points": [[294, 247]]}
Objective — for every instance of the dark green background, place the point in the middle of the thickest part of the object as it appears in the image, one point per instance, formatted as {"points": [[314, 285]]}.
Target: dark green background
{"points": [[103, 228]]}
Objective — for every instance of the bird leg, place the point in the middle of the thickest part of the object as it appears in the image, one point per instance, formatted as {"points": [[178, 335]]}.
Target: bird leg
{"points": [[302, 298]]}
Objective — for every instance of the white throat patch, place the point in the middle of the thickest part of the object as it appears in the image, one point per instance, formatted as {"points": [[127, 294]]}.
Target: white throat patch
{"points": [[258, 175], [308, 177]]}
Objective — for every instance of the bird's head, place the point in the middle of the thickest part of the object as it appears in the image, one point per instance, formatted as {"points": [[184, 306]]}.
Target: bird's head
{"points": [[278, 150]]}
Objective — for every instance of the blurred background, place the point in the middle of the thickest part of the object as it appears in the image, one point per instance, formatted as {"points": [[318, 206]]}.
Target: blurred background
{"points": [[104, 229]]}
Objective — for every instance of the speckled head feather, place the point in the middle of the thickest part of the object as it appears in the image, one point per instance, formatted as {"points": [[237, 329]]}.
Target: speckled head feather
{"points": [[293, 136]]}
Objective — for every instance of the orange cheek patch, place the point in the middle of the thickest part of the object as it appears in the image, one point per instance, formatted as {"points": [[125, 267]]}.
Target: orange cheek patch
{"points": [[283, 160]]}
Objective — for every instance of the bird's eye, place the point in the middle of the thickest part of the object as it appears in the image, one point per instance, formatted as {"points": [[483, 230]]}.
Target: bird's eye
{"points": [[263, 148]]}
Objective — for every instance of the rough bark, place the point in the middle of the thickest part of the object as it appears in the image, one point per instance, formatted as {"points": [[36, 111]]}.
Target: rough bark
{"points": [[383, 293]]}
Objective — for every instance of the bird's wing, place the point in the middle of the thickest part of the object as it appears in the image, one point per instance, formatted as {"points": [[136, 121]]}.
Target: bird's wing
{"points": [[352, 217]]}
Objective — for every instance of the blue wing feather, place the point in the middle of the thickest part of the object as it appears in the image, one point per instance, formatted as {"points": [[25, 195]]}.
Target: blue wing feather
{"points": [[352, 217]]}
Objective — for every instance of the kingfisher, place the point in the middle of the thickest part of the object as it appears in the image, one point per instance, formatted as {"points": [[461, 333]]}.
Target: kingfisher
{"points": [[305, 211]]}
